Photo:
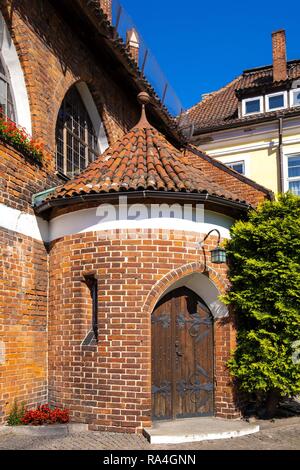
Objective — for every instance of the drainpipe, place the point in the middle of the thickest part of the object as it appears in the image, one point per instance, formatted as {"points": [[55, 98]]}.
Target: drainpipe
{"points": [[280, 156]]}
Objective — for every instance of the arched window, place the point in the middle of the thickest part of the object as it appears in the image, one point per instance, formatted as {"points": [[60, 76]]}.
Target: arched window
{"points": [[13, 92], [6, 96], [76, 139]]}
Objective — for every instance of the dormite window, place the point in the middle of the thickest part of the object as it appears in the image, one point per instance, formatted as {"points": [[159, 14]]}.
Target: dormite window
{"points": [[76, 140], [295, 97], [276, 101], [6, 97], [252, 106], [271, 102], [237, 166]]}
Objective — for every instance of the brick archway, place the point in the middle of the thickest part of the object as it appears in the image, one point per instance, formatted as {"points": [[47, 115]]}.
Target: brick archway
{"points": [[177, 274]]}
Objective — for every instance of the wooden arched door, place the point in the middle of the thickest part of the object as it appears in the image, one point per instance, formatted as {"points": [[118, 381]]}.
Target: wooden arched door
{"points": [[182, 356]]}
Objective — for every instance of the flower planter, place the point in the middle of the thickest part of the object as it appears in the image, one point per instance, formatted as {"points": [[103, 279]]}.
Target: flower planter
{"points": [[48, 430]]}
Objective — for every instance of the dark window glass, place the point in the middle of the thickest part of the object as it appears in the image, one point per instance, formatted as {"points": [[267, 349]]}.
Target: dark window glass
{"points": [[276, 102], [294, 166], [239, 167], [6, 99], [253, 106], [76, 141], [92, 284], [294, 187], [296, 98]]}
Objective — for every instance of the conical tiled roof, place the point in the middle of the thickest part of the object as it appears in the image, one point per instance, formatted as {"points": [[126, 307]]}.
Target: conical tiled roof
{"points": [[142, 160]]}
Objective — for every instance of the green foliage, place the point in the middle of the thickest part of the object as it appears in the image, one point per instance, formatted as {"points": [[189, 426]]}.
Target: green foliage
{"points": [[16, 414], [264, 270]]}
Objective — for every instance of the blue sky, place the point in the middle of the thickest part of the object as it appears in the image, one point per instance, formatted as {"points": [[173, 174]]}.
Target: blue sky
{"points": [[202, 45]]}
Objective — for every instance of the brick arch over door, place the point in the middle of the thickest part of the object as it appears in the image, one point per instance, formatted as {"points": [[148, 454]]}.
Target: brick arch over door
{"points": [[178, 274]]}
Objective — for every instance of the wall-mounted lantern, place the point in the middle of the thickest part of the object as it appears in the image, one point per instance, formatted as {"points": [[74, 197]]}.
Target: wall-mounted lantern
{"points": [[218, 254]]}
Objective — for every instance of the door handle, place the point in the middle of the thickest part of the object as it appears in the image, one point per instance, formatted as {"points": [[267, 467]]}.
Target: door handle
{"points": [[177, 350]]}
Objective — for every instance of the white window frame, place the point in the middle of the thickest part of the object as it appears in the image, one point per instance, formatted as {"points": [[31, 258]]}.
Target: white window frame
{"points": [[284, 93], [292, 91], [237, 162], [247, 100], [286, 170], [17, 79]]}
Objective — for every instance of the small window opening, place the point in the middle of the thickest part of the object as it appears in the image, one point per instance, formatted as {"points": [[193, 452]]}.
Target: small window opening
{"points": [[92, 285]]}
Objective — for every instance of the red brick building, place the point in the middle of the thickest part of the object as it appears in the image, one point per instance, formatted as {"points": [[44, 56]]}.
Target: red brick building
{"points": [[109, 305]]}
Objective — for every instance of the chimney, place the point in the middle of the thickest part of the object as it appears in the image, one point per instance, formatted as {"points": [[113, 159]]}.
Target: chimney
{"points": [[133, 43], [279, 55], [106, 6]]}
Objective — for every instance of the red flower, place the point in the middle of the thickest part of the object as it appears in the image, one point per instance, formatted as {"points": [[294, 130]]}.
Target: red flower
{"points": [[45, 415], [17, 136]]}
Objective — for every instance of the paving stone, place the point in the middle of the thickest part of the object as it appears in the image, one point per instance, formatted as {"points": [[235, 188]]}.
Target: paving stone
{"points": [[282, 434]]}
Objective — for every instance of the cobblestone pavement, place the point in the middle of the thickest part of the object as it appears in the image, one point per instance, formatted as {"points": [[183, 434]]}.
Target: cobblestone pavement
{"points": [[283, 434]]}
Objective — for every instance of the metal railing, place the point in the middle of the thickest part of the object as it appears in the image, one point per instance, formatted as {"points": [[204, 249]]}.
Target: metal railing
{"points": [[148, 65]]}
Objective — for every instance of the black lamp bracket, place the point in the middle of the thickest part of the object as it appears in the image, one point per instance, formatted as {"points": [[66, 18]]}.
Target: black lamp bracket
{"points": [[208, 234]]}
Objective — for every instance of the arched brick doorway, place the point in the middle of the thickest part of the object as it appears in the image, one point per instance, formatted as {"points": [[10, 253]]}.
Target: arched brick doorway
{"points": [[182, 356]]}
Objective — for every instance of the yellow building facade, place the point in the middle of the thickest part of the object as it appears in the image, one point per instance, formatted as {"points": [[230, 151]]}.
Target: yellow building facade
{"points": [[253, 123], [255, 150]]}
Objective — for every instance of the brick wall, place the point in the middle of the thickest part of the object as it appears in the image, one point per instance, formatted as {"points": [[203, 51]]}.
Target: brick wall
{"points": [[279, 55], [23, 286], [106, 6], [21, 178], [53, 58], [109, 385], [23, 320]]}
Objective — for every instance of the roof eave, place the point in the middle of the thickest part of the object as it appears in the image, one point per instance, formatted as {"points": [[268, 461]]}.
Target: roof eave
{"points": [[243, 123], [238, 207]]}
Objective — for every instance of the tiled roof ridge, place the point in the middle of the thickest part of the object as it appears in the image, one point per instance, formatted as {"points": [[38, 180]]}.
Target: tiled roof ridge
{"points": [[213, 94], [220, 109], [260, 68]]}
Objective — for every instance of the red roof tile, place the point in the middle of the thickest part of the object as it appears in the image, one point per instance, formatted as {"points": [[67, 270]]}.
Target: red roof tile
{"points": [[142, 160]]}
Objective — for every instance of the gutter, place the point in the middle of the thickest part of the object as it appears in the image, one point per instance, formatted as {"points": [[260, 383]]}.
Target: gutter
{"points": [[142, 195], [280, 156], [235, 124]]}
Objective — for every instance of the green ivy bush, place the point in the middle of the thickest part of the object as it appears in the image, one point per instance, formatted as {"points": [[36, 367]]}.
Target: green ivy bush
{"points": [[264, 270]]}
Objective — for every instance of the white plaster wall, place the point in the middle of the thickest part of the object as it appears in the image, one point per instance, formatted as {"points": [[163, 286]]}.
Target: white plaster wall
{"points": [[89, 220], [26, 224]]}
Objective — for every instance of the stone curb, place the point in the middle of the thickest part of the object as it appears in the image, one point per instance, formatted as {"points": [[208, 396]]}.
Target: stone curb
{"points": [[54, 430]]}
